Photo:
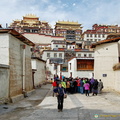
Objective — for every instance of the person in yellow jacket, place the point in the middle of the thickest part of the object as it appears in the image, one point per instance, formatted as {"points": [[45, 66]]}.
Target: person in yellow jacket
{"points": [[63, 83]]}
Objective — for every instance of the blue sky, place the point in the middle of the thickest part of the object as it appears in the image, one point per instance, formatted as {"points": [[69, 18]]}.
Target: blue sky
{"points": [[86, 12]]}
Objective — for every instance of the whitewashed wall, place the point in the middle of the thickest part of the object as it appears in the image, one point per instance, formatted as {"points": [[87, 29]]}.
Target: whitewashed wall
{"points": [[106, 55], [70, 46], [65, 74], [76, 73], [50, 67], [44, 55], [4, 48], [117, 80], [83, 74], [37, 38], [93, 37], [83, 53], [4, 83], [16, 67], [73, 67], [34, 64], [39, 75], [57, 46]]}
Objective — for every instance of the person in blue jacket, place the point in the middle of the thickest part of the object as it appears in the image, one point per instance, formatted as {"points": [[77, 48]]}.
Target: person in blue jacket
{"points": [[60, 96]]}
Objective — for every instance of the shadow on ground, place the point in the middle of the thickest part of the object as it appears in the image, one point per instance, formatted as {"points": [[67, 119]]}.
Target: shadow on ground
{"points": [[71, 114]]}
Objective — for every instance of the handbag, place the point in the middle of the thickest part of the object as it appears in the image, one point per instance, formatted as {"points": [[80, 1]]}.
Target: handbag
{"points": [[65, 95]]}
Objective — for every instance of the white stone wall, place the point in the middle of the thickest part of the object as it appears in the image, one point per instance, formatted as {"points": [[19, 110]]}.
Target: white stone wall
{"points": [[50, 67], [84, 74], [42, 39], [39, 75], [94, 38], [81, 53], [70, 46], [65, 74], [16, 66], [119, 47], [73, 67], [106, 55], [58, 70], [4, 83], [34, 64], [117, 80], [44, 55], [4, 48], [57, 46], [76, 73], [88, 54]]}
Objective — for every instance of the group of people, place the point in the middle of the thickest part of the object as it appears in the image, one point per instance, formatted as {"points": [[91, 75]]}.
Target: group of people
{"points": [[64, 85], [79, 85]]}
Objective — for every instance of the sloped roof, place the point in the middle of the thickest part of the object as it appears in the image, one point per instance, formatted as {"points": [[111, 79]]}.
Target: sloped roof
{"points": [[18, 36], [38, 59], [105, 41], [82, 58], [113, 35], [68, 22]]}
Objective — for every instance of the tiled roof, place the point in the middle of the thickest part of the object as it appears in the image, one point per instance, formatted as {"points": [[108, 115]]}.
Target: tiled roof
{"points": [[38, 59], [68, 22], [93, 32], [71, 58], [105, 41], [18, 36]]}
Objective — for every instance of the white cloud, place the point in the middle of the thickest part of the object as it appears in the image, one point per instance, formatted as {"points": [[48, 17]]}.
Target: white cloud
{"points": [[45, 1], [59, 1], [64, 5], [74, 4], [87, 12]]}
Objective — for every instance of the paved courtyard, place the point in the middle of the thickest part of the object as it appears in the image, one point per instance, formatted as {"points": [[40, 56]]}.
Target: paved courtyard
{"points": [[105, 106]]}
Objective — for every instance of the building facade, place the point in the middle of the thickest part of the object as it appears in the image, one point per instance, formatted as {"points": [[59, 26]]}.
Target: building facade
{"points": [[57, 44], [107, 55], [52, 54], [4, 83], [69, 30], [15, 53], [64, 56], [38, 71], [81, 67], [31, 24], [100, 32]]}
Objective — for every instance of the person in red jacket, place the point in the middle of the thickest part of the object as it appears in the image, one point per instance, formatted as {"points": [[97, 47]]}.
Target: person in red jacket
{"points": [[54, 84]]}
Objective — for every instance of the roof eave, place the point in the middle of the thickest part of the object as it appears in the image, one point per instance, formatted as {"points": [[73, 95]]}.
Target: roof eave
{"points": [[17, 35]]}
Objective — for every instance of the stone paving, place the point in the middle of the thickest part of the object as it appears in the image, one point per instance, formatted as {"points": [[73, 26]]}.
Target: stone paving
{"points": [[105, 106], [79, 107]]}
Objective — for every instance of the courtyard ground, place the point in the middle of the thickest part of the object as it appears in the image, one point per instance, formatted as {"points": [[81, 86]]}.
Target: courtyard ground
{"points": [[43, 106]]}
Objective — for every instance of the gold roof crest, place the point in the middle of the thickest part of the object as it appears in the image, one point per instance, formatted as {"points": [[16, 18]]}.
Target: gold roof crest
{"points": [[67, 22], [30, 16]]}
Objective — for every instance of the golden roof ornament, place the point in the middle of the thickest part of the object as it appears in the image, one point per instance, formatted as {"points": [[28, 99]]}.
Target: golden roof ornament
{"points": [[30, 16], [17, 20], [67, 22]]}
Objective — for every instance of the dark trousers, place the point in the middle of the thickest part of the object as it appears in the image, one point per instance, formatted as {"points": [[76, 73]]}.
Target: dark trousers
{"points": [[75, 89], [71, 90], [87, 92], [60, 101], [68, 90], [95, 91]]}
